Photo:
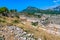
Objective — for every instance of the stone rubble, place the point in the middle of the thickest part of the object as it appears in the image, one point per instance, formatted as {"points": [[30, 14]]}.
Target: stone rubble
{"points": [[15, 33]]}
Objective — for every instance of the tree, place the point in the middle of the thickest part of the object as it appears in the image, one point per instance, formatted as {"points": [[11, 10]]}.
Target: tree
{"points": [[3, 9], [13, 10]]}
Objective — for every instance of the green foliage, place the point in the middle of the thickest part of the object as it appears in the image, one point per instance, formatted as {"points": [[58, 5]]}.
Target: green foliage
{"points": [[31, 10], [34, 23], [13, 10], [17, 16], [2, 21], [49, 11], [16, 21], [3, 9], [39, 16]]}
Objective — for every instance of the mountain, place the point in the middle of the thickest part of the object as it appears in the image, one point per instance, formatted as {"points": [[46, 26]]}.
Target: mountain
{"points": [[32, 10], [57, 8]]}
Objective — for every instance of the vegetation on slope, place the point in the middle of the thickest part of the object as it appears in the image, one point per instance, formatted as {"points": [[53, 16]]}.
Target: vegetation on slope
{"points": [[38, 33]]}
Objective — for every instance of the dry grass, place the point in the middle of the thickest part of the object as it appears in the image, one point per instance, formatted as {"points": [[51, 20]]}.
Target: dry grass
{"points": [[38, 33]]}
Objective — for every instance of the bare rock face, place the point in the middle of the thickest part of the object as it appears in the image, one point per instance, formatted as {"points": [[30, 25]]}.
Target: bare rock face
{"points": [[14, 33]]}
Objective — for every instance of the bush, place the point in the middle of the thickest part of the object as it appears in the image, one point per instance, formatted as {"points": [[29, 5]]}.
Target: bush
{"points": [[34, 23], [16, 21], [17, 16], [2, 21], [3, 9], [39, 16]]}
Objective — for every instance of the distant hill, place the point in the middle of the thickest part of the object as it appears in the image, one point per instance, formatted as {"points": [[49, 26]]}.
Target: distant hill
{"points": [[29, 10], [32, 10], [55, 10]]}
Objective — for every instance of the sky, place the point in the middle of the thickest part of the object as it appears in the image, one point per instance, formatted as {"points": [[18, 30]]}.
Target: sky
{"points": [[22, 4]]}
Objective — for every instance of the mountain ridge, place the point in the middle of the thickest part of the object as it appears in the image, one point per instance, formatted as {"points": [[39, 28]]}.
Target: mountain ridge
{"points": [[30, 9]]}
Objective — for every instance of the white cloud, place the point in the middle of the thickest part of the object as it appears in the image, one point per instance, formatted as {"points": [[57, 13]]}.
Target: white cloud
{"points": [[56, 1]]}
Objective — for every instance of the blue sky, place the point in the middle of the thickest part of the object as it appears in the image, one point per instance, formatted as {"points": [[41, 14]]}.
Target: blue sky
{"points": [[22, 4]]}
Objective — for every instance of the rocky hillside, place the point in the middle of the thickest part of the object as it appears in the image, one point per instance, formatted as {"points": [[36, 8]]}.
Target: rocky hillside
{"points": [[19, 26], [15, 33]]}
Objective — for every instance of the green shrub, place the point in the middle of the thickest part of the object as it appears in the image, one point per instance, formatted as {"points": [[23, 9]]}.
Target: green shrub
{"points": [[17, 16], [2, 21], [16, 21], [34, 23]]}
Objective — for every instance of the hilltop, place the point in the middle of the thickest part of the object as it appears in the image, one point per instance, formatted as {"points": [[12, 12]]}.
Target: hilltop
{"points": [[32, 10]]}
